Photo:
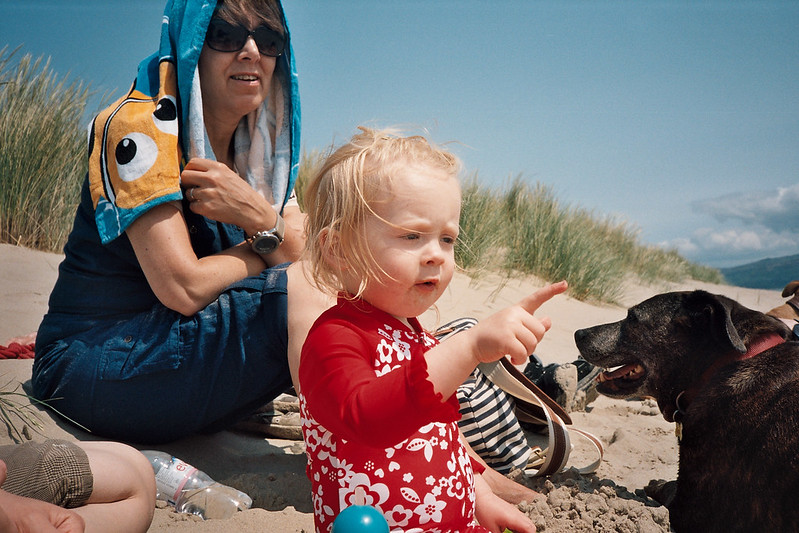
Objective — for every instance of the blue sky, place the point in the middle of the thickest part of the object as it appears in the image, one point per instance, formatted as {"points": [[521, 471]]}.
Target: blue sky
{"points": [[680, 118]]}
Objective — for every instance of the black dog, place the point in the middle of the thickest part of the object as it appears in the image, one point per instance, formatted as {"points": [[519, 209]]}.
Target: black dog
{"points": [[730, 380]]}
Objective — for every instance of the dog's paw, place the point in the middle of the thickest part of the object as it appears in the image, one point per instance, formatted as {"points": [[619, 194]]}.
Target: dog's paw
{"points": [[661, 491]]}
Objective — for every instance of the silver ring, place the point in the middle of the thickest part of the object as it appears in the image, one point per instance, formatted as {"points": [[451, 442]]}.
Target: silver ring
{"points": [[191, 194]]}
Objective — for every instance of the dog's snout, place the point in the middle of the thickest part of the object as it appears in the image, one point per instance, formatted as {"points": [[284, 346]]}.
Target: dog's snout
{"points": [[596, 342], [580, 335]]}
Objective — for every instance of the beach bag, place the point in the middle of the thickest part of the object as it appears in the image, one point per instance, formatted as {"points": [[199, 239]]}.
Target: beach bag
{"points": [[489, 424], [493, 400]]}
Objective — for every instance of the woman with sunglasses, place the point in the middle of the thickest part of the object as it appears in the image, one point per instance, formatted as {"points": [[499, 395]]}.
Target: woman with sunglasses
{"points": [[175, 303]]}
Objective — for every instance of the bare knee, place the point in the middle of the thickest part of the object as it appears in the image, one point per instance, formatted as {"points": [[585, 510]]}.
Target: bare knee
{"points": [[124, 477]]}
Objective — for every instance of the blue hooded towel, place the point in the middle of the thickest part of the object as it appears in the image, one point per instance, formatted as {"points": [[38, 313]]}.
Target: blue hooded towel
{"points": [[138, 145]]}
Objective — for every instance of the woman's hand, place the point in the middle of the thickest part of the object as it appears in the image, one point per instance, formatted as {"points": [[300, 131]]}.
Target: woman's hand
{"points": [[216, 192]]}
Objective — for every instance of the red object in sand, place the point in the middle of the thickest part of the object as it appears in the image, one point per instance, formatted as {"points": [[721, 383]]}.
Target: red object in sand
{"points": [[15, 350]]}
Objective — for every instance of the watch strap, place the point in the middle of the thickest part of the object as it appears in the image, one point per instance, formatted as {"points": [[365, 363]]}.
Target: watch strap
{"points": [[278, 231]]}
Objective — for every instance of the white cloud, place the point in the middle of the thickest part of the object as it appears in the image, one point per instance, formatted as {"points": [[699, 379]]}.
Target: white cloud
{"points": [[777, 210], [684, 245], [729, 240], [751, 226], [729, 246]]}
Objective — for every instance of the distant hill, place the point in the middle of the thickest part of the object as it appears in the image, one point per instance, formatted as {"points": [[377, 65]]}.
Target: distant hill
{"points": [[771, 273]]}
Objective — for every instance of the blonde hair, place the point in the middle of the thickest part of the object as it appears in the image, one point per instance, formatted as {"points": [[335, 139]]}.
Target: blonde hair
{"points": [[339, 198]]}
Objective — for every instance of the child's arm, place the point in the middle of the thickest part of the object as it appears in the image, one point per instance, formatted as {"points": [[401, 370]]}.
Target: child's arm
{"points": [[495, 513], [337, 376], [514, 331], [342, 392]]}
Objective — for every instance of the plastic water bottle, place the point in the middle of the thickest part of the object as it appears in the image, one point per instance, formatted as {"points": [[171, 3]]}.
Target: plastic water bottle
{"points": [[192, 491]]}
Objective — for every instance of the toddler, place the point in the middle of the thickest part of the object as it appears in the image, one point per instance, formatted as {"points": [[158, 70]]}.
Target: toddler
{"points": [[377, 392]]}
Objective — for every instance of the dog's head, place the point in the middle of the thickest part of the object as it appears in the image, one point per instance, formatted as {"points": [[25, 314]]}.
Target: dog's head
{"points": [[666, 342], [790, 309]]}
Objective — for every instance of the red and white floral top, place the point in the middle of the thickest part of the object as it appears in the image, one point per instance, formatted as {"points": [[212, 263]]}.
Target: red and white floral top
{"points": [[371, 419]]}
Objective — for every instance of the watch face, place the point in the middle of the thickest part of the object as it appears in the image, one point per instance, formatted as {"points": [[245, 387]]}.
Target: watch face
{"points": [[265, 244]]}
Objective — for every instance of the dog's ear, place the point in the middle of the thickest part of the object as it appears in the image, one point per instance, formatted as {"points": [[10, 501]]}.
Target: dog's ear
{"points": [[715, 313], [790, 289]]}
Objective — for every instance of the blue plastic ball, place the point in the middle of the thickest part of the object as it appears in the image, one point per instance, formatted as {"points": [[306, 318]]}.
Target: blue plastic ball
{"points": [[360, 519]]}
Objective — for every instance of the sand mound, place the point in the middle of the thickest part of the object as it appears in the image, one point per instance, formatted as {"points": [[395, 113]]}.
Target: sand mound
{"points": [[575, 502]]}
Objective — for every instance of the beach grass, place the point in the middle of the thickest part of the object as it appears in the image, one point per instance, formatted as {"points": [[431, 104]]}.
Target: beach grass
{"points": [[545, 237], [42, 151], [520, 229]]}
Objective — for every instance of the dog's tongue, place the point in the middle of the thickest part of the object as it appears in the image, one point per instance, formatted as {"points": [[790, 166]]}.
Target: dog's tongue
{"points": [[630, 370]]}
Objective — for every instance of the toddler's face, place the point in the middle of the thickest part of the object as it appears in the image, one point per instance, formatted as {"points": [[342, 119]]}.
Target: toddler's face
{"points": [[414, 243]]}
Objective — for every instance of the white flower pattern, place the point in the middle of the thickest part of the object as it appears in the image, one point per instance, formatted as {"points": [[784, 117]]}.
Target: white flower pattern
{"points": [[394, 479], [430, 509]]}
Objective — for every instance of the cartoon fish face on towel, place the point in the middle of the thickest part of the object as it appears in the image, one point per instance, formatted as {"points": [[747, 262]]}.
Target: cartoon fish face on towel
{"points": [[134, 154]]}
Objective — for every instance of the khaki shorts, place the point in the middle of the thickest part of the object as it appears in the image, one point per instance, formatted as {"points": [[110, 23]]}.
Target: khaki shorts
{"points": [[54, 471]]}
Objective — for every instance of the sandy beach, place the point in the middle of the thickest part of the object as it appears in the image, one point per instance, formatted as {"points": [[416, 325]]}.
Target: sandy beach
{"points": [[639, 444]]}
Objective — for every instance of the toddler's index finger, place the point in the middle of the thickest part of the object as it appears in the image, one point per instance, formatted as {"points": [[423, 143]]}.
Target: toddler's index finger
{"points": [[532, 302]]}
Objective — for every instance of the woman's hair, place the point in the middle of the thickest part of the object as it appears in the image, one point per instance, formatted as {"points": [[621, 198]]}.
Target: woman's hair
{"points": [[339, 198], [265, 12]]}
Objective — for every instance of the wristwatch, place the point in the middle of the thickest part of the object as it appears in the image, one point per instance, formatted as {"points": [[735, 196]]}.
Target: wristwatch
{"points": [[266, 242]]}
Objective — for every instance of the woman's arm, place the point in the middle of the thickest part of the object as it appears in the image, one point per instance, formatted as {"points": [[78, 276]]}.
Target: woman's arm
{"points": [[179, 279]]}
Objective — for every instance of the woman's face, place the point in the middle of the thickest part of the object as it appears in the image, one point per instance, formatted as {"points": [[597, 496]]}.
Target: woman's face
{"points": [[234, 83]]}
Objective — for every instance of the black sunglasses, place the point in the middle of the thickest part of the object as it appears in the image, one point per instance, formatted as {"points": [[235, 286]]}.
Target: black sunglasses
{"points": [[225, 37]]}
